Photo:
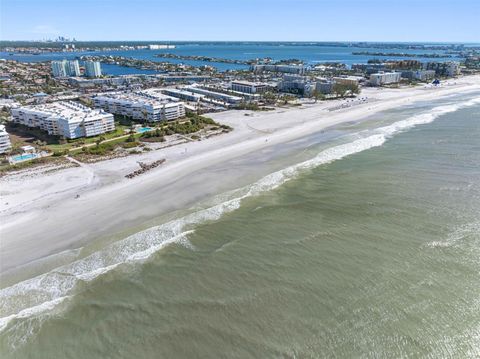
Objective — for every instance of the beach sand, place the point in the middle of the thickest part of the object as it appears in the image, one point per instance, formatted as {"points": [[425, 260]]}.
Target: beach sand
{"points": [[42, 216]]}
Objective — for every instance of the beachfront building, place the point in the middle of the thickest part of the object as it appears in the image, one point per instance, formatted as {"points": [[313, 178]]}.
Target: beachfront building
{"points": [[249, 87], [348, 80], [324, 86], [419, 75], [65, 68], [220, 97], [183, 95], [300, 85], [93, 69], [385, 78], [448, 69], [289, 69], [65, 119], [5, 144], [147, 105]]}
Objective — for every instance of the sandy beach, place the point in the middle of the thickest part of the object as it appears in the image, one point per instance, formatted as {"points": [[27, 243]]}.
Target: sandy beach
{"points": [[43, 214]]}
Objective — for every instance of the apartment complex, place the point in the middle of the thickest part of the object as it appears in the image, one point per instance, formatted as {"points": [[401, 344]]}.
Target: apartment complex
{"points": [[420, 75], [385, 78], [93, 69], [65, 119], [65, 68], [249, 87], [289, 69], [211, 93], [5, 144], [448, 69], [296, 84], [148, 105]]}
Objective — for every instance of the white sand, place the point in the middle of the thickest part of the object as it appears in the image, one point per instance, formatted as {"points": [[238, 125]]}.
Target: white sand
{"points": [[40, 216]]}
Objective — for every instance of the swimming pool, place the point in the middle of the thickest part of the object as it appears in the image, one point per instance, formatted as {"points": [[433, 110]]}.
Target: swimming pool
{"points": [[25, 157], [143, 129]]}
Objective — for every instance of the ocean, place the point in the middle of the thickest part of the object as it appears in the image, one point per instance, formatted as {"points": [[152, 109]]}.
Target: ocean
{"points": [[310, 53], [365, 244]]}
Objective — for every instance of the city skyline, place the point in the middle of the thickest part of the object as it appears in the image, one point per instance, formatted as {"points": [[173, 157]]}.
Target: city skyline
{"points": [[284, 20]]}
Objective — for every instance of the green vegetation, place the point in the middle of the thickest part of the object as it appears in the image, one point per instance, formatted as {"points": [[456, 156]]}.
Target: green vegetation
{"points": [[343, 90]]}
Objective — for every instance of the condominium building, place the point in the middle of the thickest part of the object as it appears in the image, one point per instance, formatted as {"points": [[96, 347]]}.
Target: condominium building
{"points": [[214, 95], [348, 80], [385, 78], [324, 86], [148, 105], [183, 95], [296, 84], [93, 69], [5, 144], [249, 87], [290, 69], [420, 75], [449, 69], [65, 119], [65, 68]]}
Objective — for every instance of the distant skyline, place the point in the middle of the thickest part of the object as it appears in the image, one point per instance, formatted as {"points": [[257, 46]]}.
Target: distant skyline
{"points": [[242, 20]]}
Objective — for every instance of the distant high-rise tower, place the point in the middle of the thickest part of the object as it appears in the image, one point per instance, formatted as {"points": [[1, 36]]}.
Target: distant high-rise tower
{"points": [[59, 68], [73, 68], [93, 69], [65, 68]]}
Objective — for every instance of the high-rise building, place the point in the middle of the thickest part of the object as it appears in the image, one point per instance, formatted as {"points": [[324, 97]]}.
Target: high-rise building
{"points": [[93, 69], [73, 68], [65, 68], [59, 68]]}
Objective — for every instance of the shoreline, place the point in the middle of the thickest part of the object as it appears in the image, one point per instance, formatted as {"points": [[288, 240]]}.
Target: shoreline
{"points": [[70, 223]]}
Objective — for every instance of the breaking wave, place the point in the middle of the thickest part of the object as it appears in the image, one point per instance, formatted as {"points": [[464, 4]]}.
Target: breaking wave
{"points": [[41, 295]]}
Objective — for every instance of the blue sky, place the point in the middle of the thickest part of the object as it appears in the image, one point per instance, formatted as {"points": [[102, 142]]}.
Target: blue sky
{"points": [[237, 20]]}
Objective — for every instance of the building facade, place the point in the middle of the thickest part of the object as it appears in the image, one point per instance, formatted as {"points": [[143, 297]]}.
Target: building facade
{"points": [[93, 69], [5, 144], [66, 119], [249, 87], [148, 105], [289, 69], [385, 78], [65, 68]]}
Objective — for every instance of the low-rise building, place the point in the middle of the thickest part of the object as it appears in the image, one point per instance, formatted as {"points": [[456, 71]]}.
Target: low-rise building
{"points": [[249, 87], [148, 105], [448, 69], [324, 86], [296, 84], [217, 96], [183, 95], [65, 119], [385, 78], [289, 69], [348, 80], [5, 144], [420, 75]]}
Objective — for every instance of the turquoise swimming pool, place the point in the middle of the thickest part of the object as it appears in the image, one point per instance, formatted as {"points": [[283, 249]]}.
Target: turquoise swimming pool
{"points": [[25, 157], [143, 129]]}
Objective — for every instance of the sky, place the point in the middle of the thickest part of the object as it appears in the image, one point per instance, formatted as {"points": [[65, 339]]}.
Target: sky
{"points": [[242, 20]]}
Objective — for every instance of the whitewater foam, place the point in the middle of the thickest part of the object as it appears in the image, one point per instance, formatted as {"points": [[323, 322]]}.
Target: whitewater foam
{"points": [[41, 294]]}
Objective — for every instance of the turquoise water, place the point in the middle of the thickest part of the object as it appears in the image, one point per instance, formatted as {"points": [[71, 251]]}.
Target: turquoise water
{"points": [[368, 249], [19, 158], [143, 129]]}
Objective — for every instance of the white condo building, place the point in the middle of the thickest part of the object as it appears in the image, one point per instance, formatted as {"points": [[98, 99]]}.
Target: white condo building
{"points": [[249, 87], [385, 78], [65, 68], [149, 105], [5, 144], [93, 69], [66, 119]]}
